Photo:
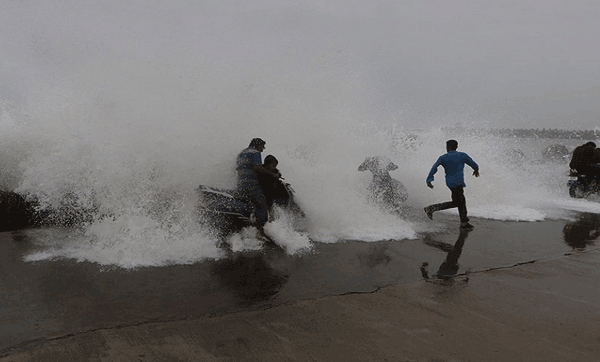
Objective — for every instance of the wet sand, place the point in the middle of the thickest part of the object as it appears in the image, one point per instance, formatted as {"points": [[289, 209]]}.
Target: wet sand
{"points": [[520, 291]]}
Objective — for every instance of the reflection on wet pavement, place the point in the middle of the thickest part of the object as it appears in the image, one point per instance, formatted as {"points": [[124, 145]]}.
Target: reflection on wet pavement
{"points": [[582, 232], [375, 256], [251, 278], [449, 267], [52, 298]]}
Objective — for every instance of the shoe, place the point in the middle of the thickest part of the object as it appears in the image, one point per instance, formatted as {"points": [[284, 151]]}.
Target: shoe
{"points": [[428, 212], [466, 226]]}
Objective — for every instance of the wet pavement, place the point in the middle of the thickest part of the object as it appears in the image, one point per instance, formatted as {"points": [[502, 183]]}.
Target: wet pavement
{"points": [[47, 300]]}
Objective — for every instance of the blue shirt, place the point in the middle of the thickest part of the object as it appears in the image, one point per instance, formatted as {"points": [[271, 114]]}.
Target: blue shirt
{"points": [[245, 166], [454, 164]]}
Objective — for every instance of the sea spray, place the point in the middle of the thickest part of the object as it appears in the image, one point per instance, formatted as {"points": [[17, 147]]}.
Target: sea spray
{"points": [[111, 118], [287, 230]]}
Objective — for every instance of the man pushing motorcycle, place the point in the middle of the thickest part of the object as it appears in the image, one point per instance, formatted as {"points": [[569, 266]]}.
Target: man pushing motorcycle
{"points": [[249, 165]]}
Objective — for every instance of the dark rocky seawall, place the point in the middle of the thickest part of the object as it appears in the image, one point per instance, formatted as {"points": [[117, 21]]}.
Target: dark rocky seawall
{"points": [[16, 212]]}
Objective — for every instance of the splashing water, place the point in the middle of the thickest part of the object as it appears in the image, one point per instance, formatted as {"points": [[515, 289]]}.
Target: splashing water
{"points": [[117, 122], [135, 201]]}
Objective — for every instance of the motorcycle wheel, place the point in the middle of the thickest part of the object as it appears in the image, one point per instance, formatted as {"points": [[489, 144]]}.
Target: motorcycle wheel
{"points": [[576, 192]]}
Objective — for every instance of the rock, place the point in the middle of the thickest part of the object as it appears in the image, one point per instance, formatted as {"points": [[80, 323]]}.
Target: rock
{"points": [[15, 211]]}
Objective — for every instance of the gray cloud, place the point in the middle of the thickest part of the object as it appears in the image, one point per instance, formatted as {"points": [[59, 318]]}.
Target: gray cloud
{"points": [[533, 63]]}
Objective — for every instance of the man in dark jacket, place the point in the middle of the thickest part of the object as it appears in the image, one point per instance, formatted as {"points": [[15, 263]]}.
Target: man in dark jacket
{"points": [[269, 182], [585, 160], [249, 165]]}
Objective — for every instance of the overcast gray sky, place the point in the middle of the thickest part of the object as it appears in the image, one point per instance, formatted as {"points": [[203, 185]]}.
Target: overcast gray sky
{"points": [[507, 63]]}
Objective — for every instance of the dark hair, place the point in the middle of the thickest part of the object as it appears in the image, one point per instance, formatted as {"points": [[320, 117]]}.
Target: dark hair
{"points": [[270, 159], [257, 142], [452, 144], [591, 144]]}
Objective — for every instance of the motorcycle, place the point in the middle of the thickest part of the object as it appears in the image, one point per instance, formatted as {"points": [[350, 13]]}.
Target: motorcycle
{"points": [[581, 186], [226, 213]]}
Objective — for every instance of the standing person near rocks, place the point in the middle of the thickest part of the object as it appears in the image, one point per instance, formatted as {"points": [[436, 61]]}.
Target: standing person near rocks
{"points": [[454, 164]]}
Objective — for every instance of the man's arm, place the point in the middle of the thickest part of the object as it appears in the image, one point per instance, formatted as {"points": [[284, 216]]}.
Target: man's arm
{"points": [[432, 172], [262, 169], [469, 161]]}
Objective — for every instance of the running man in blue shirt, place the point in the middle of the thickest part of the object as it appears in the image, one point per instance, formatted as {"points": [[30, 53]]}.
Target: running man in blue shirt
{"points": [[454, 164]]}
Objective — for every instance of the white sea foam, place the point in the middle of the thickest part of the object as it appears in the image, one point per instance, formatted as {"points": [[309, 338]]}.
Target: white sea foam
{"points": [[508, 213], [287, 232], [120, 126], [145, 204], [129, 243], [39, 256], [591, 205], [245, 240]]}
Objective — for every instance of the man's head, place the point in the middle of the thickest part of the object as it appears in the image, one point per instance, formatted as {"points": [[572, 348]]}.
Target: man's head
{"points": [[258, 143], [270, 160], [591, 144], [451, 145]]}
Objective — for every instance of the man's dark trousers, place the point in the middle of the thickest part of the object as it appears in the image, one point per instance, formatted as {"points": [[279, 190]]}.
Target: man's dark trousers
{"points": [[458, 200]]}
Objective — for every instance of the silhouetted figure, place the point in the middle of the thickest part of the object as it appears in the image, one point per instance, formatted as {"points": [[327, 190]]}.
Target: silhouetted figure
{"points": [[585, 161], [249, 165], [453, 163], [269, 182], [383, 189], [449, 267]]}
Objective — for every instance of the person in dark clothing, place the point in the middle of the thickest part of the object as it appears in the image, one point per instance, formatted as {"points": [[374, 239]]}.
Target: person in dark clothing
{"points": [[585, 161], [453, 163], [269, 182], [249, 166]]}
